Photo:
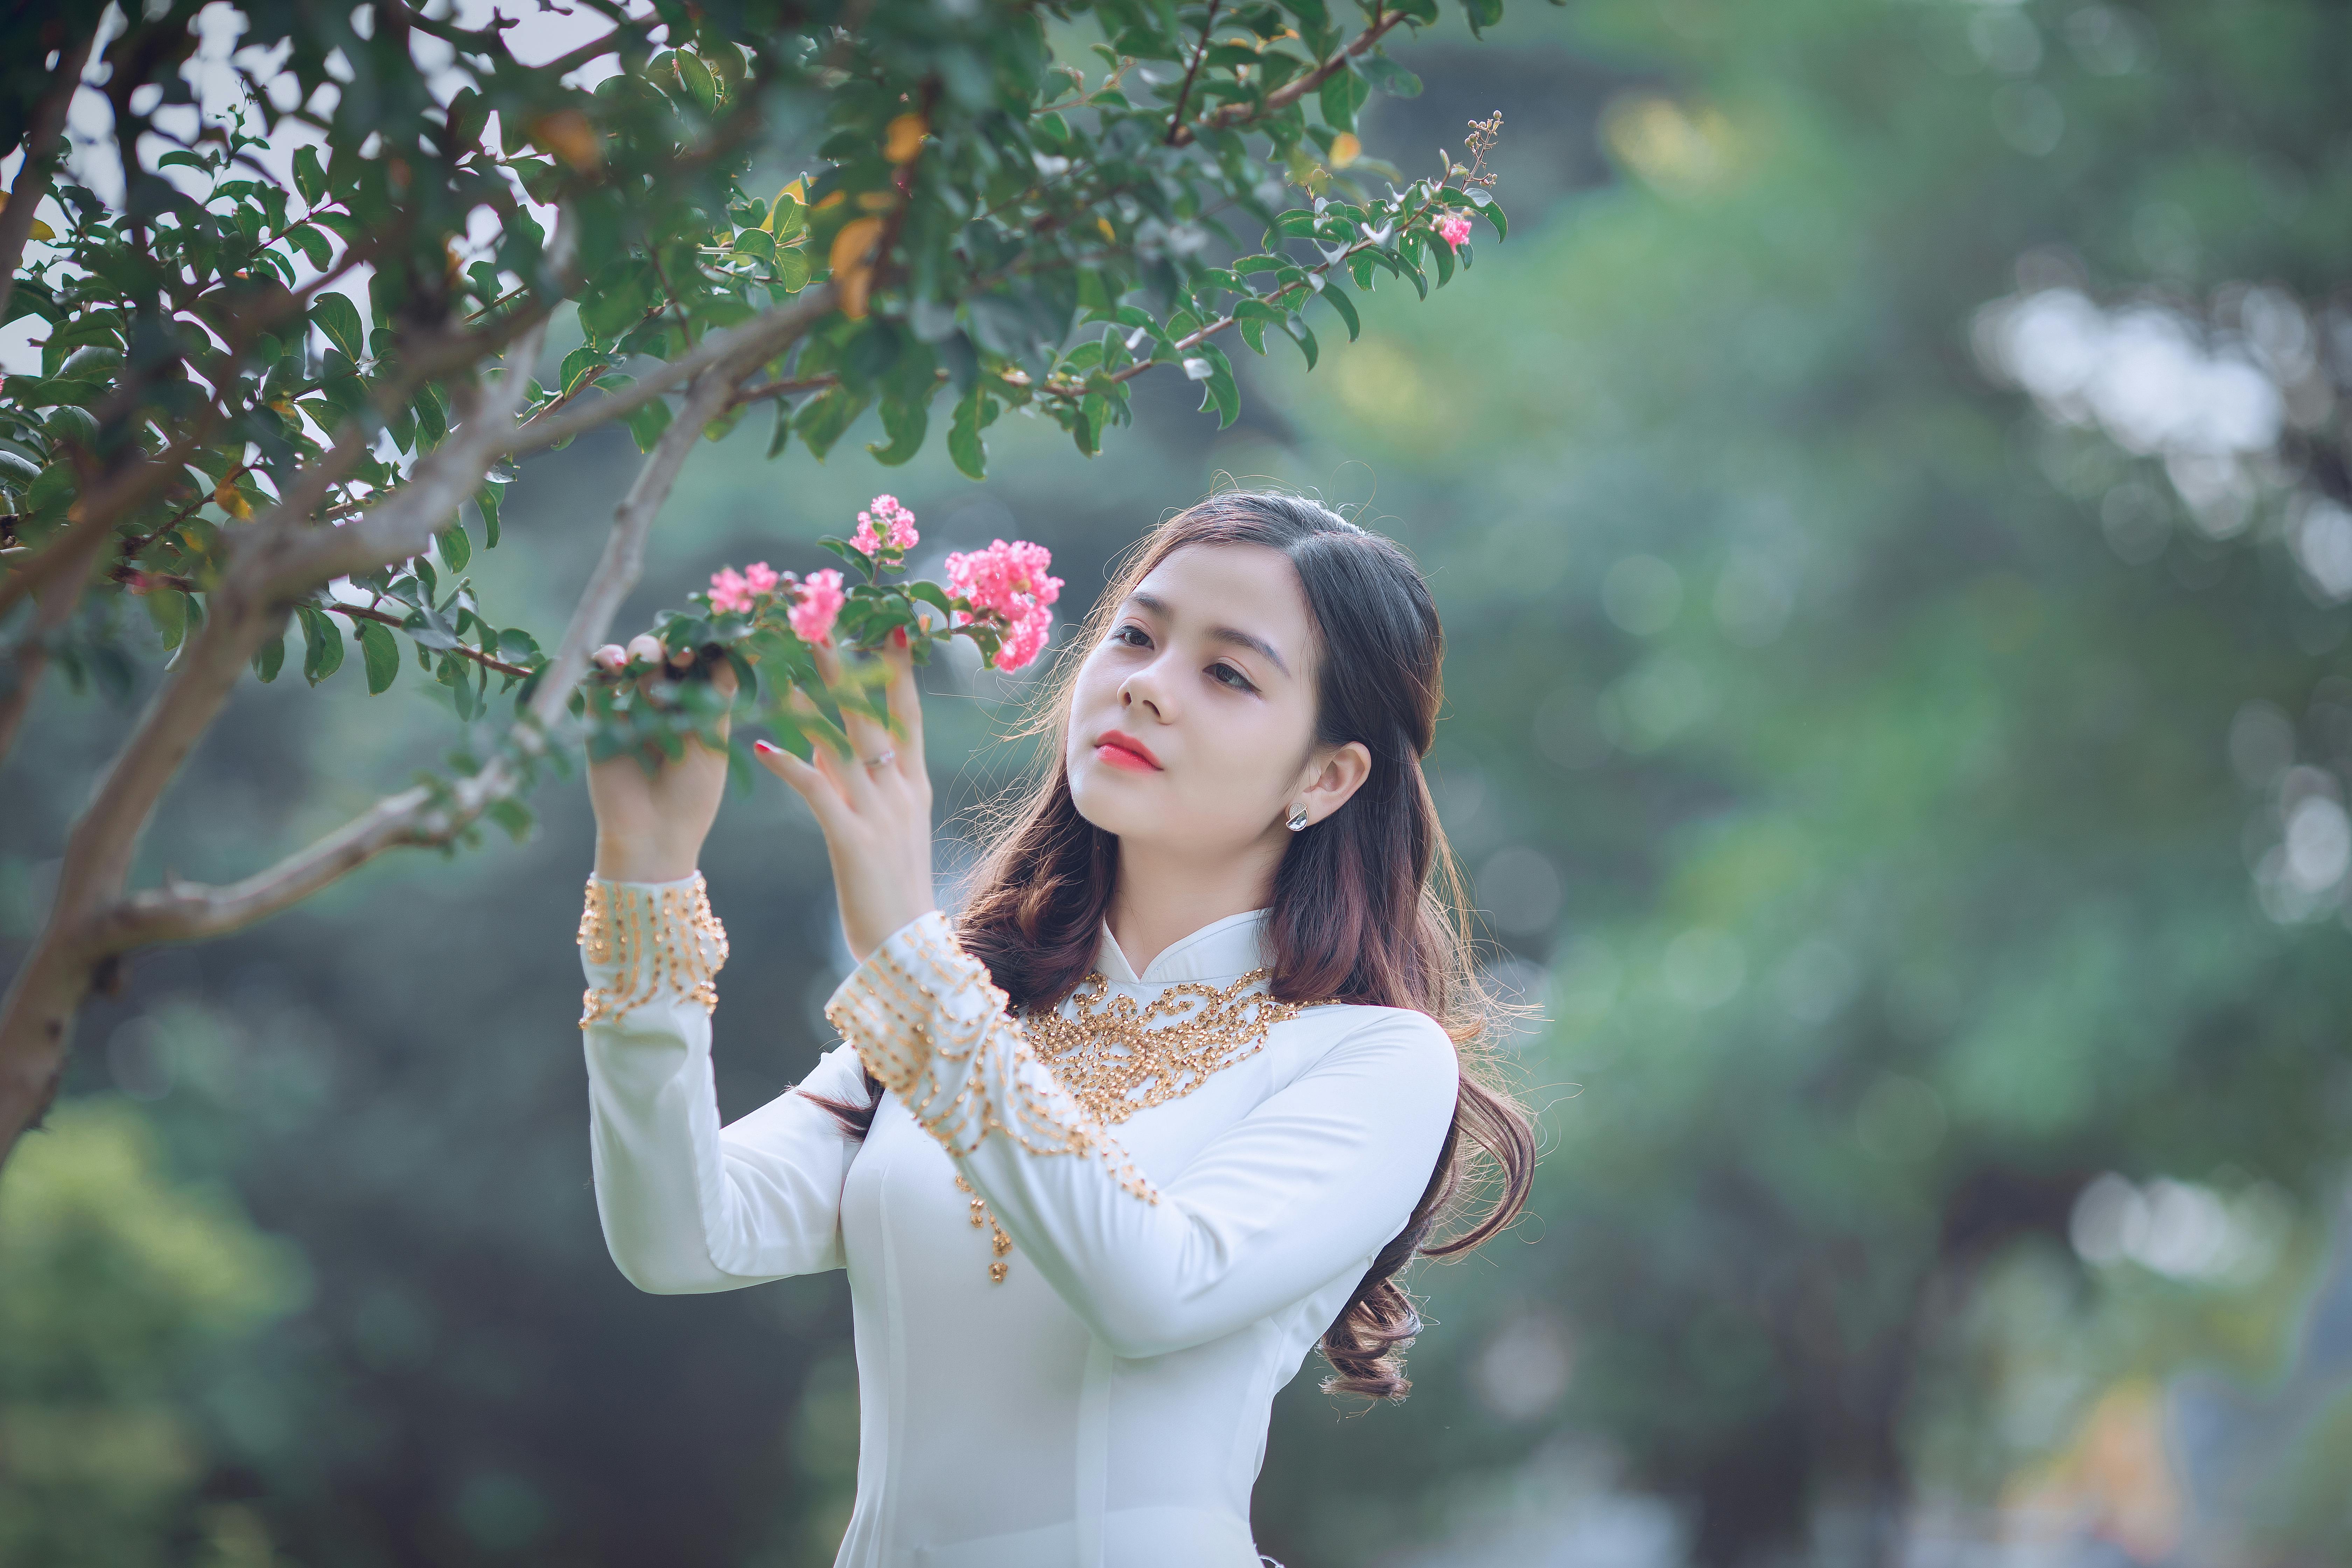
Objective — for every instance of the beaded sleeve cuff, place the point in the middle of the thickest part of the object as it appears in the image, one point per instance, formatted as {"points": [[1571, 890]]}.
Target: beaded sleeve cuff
{"points": [[656, 937], [929, 1025]]}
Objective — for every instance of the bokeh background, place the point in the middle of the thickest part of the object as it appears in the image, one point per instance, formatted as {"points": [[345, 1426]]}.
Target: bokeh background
{"points": [[1888, 503]]}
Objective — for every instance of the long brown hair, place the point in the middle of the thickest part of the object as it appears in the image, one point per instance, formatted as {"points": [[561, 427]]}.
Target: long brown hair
{"points": [[1366, 908]]}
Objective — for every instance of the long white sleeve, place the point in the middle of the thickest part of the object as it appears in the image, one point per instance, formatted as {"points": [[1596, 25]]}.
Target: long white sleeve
{"points": [[1311, 1184], [688, 1205]]}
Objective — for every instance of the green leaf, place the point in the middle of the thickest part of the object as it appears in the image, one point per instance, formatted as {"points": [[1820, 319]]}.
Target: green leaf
{"points": [[1390, 77], [784, 431], [647, 421], [270, 658], [1304, 337], [905, 423], [323, 643], [313, 245], [1342, 95], [695, 77], [1484, 13], [513, 815], [582, 363], [825, 418], [1492, 210], [380, 651], [310, 175], [336, 316], [792, 270], [1336, 298], [486, 500], [606, 315], [973, 413], [1219, 390], [168, 608], [432, 415], [455, 548]]}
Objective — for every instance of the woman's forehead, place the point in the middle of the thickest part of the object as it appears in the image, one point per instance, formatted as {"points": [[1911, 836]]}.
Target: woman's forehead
{"points": [[1227, 580]]}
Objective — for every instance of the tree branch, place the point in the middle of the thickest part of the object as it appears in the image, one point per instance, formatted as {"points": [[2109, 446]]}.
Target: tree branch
{"points": [[265, 572], [1184, 92], [185, 911], [1230, 116], [760, 339], [48, 122]]}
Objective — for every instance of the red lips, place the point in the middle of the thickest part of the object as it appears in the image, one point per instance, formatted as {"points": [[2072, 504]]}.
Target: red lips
{"points": [[1121, 749]]}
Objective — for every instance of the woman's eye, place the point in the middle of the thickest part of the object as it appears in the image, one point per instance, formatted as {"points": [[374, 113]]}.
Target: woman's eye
{"points": [[1132, 636], [1228, 674]]}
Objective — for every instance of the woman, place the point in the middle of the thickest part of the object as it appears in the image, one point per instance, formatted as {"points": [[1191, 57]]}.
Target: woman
{"points": [[1175, 1097]]}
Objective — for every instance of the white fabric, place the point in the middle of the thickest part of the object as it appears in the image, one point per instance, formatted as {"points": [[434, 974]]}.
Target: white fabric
{"points": [[1106, 1406]]}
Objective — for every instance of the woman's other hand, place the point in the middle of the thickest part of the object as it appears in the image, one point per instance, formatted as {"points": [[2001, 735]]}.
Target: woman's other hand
{"points": [[874, 804], [650, 829]]}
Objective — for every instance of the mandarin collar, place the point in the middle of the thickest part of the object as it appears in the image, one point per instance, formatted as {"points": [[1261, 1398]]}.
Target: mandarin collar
{"points": [[1221, 951]]}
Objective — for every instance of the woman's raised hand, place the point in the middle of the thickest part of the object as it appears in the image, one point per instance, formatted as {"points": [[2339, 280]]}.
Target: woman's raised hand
{"points": [[651, 829], [874, 804]]}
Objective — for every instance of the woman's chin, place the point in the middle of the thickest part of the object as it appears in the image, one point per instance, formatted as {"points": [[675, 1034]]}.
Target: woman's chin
{"points": [[1117, 802]]}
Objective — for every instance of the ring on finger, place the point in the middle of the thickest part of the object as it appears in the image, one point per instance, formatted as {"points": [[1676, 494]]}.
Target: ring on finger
{"points": [[882, 759]]}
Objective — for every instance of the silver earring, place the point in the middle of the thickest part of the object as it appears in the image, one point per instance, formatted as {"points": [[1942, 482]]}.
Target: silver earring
{"points": [[1296, 820]]}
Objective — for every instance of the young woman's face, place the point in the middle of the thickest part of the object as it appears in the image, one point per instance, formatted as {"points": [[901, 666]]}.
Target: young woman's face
{"points": [[1193, 722]]}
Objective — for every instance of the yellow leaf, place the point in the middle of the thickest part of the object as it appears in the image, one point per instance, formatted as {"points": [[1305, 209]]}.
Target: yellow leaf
{"points": [[1345, 150], [903, 138], [231, 501], [796, 193], [1109, 233], [568, 135], [42, 231], [852, 261]]}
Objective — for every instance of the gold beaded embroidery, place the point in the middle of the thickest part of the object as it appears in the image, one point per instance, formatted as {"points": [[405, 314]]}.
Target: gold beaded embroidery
{"points": [[998, 1242], [908, 1023], [1164, 1050], [656, 938], [1108, 1060]]}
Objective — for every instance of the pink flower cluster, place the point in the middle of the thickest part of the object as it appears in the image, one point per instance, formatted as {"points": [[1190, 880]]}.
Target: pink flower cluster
{"points": [[1453, 228], [1012, 581], [815, 603], [812, 614], [886, 525], [736, 591]]}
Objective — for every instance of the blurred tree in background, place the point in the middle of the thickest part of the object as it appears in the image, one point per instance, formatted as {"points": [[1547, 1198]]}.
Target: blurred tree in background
{"points": [[1888, 509]]}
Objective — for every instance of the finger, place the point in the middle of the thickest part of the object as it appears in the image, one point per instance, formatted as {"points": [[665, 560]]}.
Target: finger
{"points": [[805, 781], [724, 683], [905, 698], [646, 656], [867, 738], [830, 755]]}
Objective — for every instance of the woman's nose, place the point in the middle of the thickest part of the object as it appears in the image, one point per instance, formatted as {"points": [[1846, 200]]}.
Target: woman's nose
{"points": [[1134, 693]]}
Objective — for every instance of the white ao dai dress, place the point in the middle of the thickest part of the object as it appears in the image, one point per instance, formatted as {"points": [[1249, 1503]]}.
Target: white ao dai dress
{"points": [[1105, 1403]]}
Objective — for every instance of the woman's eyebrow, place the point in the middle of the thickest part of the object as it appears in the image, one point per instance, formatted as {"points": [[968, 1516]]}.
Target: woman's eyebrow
{"points": [[1239, 638]]}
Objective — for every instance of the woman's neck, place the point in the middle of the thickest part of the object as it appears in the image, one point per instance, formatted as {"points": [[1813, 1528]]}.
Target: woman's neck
{"points": [[1165, 894]]}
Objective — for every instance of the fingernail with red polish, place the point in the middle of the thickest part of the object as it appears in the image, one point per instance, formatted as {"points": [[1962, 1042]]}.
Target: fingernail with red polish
{"points": [[899, 637], [765, 746]]}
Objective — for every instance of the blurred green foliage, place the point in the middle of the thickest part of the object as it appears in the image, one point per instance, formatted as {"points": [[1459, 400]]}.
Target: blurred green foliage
{"points": [[1879, 808], [119, 1287]]}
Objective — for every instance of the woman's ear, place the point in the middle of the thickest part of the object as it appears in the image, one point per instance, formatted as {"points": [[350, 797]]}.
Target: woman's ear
{"points": [[1332, 780]]}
